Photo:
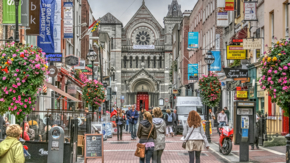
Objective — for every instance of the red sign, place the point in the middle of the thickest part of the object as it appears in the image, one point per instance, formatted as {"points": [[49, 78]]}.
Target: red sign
{"points": [[237, 40], [230, 5]]}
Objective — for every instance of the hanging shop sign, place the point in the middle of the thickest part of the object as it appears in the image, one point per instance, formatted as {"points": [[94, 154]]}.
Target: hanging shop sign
{"points": [[237, 40], [25, 13], [71, 60], [81, 65], [34, 11], [236, 73], [192, 40], [143, 47], [174, 91], [230, 5], [9, 12], [260, 94], [68, 19], [250, 11], [54, 57], [192, 71], [217, 64], [252, 43], [71, 89], [242, 94], [231, 85], [52, 71], [222, 17], [45, 39], [57, 27], [236, 52]]}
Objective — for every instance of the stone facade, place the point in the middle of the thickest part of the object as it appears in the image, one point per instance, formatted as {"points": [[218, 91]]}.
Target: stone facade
{"points": [[141, 70]]}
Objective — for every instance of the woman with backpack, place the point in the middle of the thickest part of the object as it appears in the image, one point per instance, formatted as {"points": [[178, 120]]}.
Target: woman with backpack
{"points": [[169, 123], [147, 133], [120, 120], [194, 137]]}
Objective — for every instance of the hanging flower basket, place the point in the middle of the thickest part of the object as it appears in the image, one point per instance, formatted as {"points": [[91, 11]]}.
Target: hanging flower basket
{"points": [[275, 73], [210, 89], [23, 71], [94, 93]]}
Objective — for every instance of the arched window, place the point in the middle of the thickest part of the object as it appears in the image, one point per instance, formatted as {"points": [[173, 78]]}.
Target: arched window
{"points": [[160, 62], [148, 60], [131, 60], [137, 62], [125, 61], [154, 62]]}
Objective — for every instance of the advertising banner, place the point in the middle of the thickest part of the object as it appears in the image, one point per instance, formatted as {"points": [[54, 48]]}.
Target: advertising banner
{"points": [[222, 17], [192, 71], [217, 64], [143, 47], [45, 38], [236, 52], [25, 13], [68, 19], [252, 43], [9, 12], [34, 11], [230, 5], [250, 11], [242, 94], [57, 27], [192, 39]]}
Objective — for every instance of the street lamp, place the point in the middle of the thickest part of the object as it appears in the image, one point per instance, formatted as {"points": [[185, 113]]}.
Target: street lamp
{"points": [[209, 59], [92, 56]]}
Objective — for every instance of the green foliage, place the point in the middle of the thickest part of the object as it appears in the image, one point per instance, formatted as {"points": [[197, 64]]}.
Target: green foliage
{"points": [[275, 74], [23, 71], [94, 93], [210, 88], [236, 62]]}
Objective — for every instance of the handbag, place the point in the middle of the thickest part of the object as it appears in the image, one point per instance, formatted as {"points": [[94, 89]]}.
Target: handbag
{"points": [[184, 143], [140, 151]]}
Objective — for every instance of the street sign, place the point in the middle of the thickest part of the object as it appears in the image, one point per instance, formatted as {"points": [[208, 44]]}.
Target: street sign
{"points": [[54, 57], [166, 99], [71, 60], [236, 73], [52, 71]]}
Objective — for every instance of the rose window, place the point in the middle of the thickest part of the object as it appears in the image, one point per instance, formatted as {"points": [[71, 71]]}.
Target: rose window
{"points": [[143, 38]]}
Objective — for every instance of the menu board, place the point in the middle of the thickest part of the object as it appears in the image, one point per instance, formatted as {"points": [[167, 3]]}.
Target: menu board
{"points": [[94, 146]]}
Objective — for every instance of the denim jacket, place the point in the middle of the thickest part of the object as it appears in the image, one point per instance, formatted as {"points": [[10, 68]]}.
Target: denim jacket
{"points": [[135, 114]]}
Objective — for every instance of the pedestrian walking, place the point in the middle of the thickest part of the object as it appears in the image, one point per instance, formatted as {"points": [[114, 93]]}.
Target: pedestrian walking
{"points": [[127, 120], [120, 120], [133, 120], [194, 136], [175, 121], [227, 113], [211, 118], [142, 111], [159, 142], [147, 133], [11, 149], [169, 122], [222, 119], [256, 132]]}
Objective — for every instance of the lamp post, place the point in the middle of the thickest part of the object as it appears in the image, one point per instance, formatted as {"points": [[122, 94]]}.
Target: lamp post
{"points": [[16, 23], [209, 59], [92, 56]]}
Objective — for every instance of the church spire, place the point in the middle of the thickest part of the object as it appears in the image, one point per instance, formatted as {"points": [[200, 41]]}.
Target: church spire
{"points": [[143, 2]]}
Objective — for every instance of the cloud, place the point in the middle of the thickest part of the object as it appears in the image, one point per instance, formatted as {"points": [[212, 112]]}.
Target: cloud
{"points": [[124, 10]]}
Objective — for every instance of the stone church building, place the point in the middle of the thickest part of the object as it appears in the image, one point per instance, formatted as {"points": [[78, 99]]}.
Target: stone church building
{"points": [[141, 54]]}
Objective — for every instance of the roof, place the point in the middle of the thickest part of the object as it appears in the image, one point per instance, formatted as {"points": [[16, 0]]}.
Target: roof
{"points": [[110, 19]]}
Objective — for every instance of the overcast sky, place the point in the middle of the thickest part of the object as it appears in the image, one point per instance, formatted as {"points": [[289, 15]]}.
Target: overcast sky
{"points": [[125, 9]]}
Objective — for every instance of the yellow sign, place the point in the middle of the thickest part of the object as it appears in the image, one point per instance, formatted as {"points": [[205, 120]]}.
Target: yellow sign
{"points": [[242, 94], [203, 124], [174, 91], [236, 52]]}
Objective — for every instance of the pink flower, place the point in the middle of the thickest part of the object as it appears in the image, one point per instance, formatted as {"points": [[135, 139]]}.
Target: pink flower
{"points": [[18, 84], [275, 71], [29, 98], [23, 81], [272, 82], [17, 113], [33, 109], [37, 66], [2, 99], [269, 71], [29, 102], [263, 87], [17, 70], [285, 68], [26, 100], [280, 69], [20, 110], [283, 73], [15, 74], [21, 103], [14, 98], [25, 106], [3, 55], [14, 91], [17, 79], [11, 104], [269, 78], [14, 55], [265, 63], [288, 64], [4, 78]]}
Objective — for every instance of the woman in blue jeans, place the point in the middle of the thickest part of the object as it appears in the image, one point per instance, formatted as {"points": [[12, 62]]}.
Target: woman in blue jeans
{"points": [[147, 133]]}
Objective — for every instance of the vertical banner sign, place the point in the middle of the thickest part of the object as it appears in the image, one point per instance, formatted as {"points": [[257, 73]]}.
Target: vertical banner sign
{"points": [[57, 27], [68, 19], [25, 13], [217, 64], [230, 5], [192, 39], [192, 71], [222, 17], [45, 38], [217, 41], [34, 12], [9, 12], [250, 11]]}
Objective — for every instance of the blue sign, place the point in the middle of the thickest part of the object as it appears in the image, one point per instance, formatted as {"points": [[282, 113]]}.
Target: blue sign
{"points": [[192, 70], [217, 65], [192, 39], [53, 57], [45, 39]]}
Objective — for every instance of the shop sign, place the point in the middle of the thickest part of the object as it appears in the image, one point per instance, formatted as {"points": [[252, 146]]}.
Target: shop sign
{"points": [[258, 53], [236, 52], [231, 86], [230, 5], [34, 10], [250, 11], [252, 43], [237, 40], [54, 57], [222, 17], [260, 94], [71, 61], [71, 89], [242, 94], [52, 71], [193, 40], [81, 65], [174, 91], [68, 19], [236, 73]]}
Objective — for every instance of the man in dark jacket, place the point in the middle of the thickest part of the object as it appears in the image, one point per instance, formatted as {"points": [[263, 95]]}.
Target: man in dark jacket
{"points": [[227, 113], [127, 121], [175, 121], [133, 120]]}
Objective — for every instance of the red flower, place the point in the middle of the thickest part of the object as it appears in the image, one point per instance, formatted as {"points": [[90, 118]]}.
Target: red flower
{"points": [[5, 69], [22, 55]]}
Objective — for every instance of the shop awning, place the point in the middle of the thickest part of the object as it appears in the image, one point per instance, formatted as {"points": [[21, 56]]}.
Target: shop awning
{"points": [[241, 34], [80, 92], [71, 78], [62, 93]]}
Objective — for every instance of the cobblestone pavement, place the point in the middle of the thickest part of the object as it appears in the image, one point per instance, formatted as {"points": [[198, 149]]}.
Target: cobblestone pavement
{"points": [[123, 152]]}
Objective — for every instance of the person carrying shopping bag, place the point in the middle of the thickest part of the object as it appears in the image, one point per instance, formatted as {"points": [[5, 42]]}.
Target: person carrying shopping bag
{"points": [[194, 136], [147, 133]]}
